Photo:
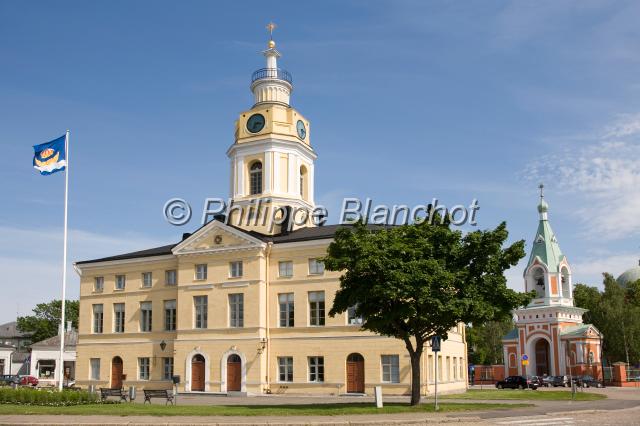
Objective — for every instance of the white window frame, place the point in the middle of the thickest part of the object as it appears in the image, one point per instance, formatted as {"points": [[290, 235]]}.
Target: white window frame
{"points": [[285, 269], [167, 361], [286, 310], [146, 317], [170, 314], [121, 282], [316, 369], [352, 319], [171, 277], [98, 318], [119, 318], [285, 369], [94, 370], [201, 270], [144, 368], [235, 269], [147, 279], [317, 308], [200, 311], [236, 310], [316, 267], [98, 284], [390, 365]]}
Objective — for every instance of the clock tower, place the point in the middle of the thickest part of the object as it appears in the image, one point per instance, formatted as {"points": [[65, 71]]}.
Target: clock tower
{"points": [[272, 161]]}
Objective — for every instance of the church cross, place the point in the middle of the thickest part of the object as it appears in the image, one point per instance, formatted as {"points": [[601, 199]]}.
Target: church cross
{"points": [[270, 27]]}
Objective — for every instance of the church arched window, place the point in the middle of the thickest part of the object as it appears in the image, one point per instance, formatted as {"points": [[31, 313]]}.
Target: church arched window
{"points": [[538, 282], [566, 283], [255, 178]]}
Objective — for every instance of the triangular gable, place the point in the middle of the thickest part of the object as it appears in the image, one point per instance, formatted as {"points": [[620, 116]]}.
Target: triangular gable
{"points": [[580, 331], [215, 236]]}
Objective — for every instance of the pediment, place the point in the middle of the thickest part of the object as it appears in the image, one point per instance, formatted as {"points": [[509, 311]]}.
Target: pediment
{"points": [[216, 237]]}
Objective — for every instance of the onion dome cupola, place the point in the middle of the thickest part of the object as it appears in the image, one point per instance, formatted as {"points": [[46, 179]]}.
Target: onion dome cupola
{"points": [[629, 276], [547, 272]]}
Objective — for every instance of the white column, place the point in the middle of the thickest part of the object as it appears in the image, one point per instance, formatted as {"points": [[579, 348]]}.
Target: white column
{"points": [[293, 160], [276, 172], [239, 176], [268, 156], [310, 184]]}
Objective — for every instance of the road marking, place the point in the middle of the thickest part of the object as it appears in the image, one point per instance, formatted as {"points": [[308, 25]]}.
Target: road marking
{"points": [[539, 421]]}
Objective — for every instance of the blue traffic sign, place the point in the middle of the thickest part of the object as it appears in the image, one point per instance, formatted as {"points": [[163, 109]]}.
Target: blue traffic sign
{"points": [[525, 357], [435, 344]]}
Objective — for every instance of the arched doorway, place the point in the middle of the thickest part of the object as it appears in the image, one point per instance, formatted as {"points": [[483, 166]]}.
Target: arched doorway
{"points": [[197, 373], [543, 363], [355, 373], [234, 373], [116, 373]]}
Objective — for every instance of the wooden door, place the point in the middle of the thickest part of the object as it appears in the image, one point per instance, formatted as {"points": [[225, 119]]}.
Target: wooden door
{"points": [[355, 373], [197, 373], [542, 357], [116, 373], [234, 373]]}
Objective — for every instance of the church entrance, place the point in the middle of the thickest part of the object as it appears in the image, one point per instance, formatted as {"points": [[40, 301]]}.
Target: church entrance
{"points": [[543, 362]]}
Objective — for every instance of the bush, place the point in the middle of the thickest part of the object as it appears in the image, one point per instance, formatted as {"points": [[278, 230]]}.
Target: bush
{"points": [[29, 396]]}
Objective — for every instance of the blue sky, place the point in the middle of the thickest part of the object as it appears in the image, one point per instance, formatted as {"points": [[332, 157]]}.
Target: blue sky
{"points": [[408, 101]]}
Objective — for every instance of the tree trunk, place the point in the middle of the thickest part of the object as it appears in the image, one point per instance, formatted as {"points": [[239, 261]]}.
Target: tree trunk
{"points": [[416, 356]]}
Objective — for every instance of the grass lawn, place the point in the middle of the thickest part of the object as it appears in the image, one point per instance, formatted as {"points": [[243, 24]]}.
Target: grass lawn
{"points": [[493, 394], [128, 409]]}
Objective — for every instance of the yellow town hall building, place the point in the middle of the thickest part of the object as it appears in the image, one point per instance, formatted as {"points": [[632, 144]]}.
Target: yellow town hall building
{"points": [[244, 308]]}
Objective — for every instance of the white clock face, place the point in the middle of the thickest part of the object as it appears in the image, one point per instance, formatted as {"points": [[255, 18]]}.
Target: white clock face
{"points": [[302, 130]]}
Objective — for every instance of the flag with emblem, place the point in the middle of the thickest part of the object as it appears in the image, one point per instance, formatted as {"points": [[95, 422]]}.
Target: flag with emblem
{"points": [[50, 157]]}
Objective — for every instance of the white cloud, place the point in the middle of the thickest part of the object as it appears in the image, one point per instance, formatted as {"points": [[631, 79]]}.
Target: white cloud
{"points": [[31, 263], [589, 271], [601, 177]]}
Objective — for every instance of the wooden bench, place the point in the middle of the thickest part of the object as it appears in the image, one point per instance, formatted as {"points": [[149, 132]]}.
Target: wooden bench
{"points": [[160, 393], [107, 392]]}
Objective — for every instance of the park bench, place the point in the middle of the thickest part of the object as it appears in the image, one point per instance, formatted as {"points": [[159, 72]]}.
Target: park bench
{"points": [[158, 393], [107, 392]]}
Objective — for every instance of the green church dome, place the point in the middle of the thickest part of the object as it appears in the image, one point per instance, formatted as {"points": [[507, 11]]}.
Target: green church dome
{"points": [[629, 276]]}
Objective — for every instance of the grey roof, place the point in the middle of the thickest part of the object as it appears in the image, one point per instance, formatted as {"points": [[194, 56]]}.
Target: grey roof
{"points": [[10, 329], [302, 234], [70, 339], [20, 357], [512, 335], [578, 330]]}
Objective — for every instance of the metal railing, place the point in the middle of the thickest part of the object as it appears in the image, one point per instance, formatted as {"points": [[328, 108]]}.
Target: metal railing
{"points": [[277, 73]]}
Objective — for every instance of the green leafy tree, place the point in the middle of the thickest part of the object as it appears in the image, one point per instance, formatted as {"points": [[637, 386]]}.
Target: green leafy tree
{"points": [[485, 341], [45, 321], [416, 281]]}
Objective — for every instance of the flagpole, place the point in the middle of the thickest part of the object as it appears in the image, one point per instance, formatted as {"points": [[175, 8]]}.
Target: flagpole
{"points": [[64, 262]]}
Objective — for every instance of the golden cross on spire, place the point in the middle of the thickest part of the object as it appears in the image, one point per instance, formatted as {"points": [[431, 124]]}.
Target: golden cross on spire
{"points": [[270, 27]]}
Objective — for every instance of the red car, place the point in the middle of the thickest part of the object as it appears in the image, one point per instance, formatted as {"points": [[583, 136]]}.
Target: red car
{"points": [[28, 381]]}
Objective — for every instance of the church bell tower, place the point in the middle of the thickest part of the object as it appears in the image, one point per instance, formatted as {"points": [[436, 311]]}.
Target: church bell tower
{"points": [[272, 161]]}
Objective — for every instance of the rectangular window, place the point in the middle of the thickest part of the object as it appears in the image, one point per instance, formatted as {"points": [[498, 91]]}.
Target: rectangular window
{"points": [[98, 284], [146, 279], [352, 318], [461, 366], [316, 267], [200, 304], [316, 308], [201, 271], [143, 368], [285, 269], [167, 372], [98, 317], [430, 376], [118, 317], [171, 277], [170, 315], [95, 368], [285, 302], [439, 368], [235, 269], [46, 368], [455, 368], [448, 375], [145, 316], [236, 310], [121, 281], [390, 368], [316, 369], [285, 369]]}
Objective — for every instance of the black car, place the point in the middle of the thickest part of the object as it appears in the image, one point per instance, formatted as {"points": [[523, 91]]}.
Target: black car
{"points": [[539, 380], [587, 382], [557, 381], [8, 379], [517, 382]]}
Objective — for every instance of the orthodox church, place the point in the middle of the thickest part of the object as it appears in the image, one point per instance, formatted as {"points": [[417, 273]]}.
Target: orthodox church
{"points": [[242, 307], [550, 337]]}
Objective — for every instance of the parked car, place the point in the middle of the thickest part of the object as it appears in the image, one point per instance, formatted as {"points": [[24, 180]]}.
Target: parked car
{"points": [[537, 379], [517, 382], [8, 379], [28, 381], [547, 381], [587, 382], [562, 381]]}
